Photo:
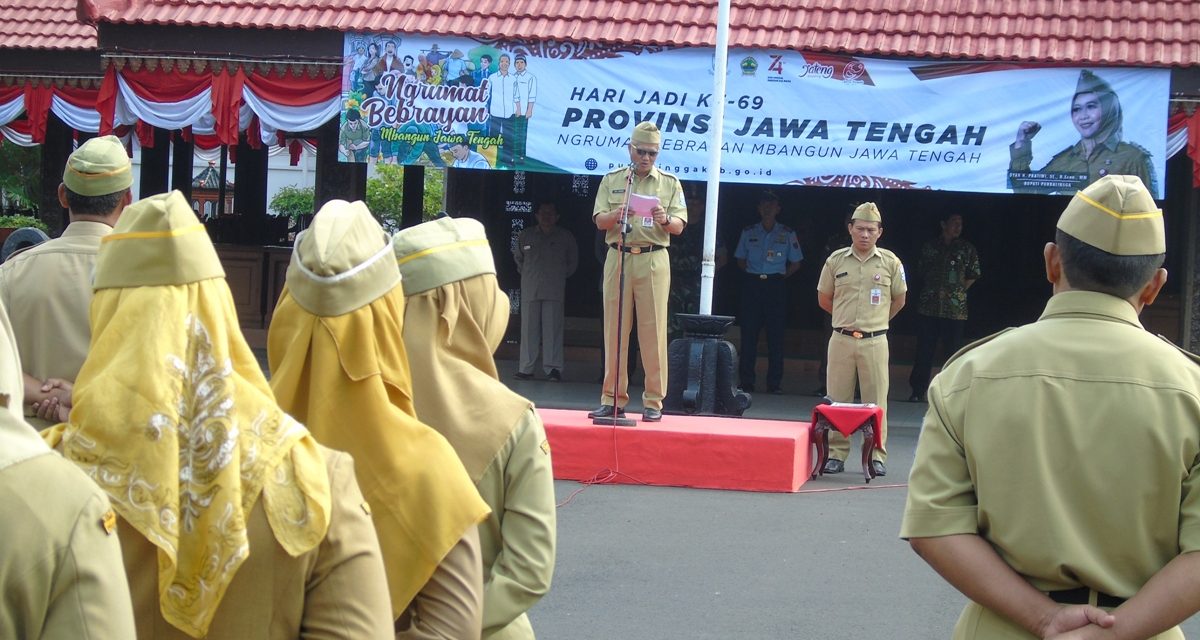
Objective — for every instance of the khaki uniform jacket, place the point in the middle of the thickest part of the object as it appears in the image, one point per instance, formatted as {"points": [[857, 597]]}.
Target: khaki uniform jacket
{"points": [[518, 538], [60, 568], [1047, 439], [862, 289], [545, 261], [1108, 157], [47, 290], [337, 590], [611, 195]]}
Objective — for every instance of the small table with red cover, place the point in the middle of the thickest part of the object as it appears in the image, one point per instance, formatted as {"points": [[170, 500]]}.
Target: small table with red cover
{"points": [[846, 418]]}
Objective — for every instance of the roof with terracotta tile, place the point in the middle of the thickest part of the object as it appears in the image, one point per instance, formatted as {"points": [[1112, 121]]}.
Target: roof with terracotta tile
{"points": [[43, 24], [1160, 33]]}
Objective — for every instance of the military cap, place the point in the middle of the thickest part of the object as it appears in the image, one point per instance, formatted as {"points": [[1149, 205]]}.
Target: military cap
{"points": [[442, 251], [98, 167], [646, 133], [343, 262], [158, 241], [1091, 83], [1116, 214], [867, 212]]}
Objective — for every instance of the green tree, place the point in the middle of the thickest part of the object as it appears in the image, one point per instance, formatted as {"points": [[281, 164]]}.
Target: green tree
{"points": [[385, 194], [20, 176], [293, 202]]}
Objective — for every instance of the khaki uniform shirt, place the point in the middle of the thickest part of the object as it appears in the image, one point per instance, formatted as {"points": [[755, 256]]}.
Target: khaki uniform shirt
{"points": [[47, 290], [862, 289], [1072, 445], [642, 231], [518, 538], [545, 260], [60, 569], [337, 590], [1109, 157]]}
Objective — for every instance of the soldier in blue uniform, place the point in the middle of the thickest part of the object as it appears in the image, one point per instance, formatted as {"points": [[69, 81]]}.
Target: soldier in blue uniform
{"points": [[768, 252]]}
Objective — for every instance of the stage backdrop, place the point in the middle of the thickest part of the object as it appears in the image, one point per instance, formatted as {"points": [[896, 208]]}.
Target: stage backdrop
{"points": [[790, 117]]}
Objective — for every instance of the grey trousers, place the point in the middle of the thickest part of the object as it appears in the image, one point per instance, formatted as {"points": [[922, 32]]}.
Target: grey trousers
{"points": [[541, 331]]}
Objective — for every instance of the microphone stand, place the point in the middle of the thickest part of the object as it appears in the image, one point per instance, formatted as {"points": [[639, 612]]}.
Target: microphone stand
{"points": [[615, 357]]}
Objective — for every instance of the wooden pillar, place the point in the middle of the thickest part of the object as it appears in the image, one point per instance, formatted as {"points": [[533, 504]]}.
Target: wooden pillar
{"points": [[182, 155], [55, 150], [412, 212], [250, 192], [155, 165], [336, 179]]}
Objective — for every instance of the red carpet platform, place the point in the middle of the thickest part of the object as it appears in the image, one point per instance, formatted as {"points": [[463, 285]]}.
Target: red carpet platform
{"points": [[683, 451]]}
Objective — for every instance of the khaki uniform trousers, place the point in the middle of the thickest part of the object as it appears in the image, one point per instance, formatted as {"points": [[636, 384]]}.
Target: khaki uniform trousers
{"points": [[863, 360], [979, 622], [647, 286], [541, 332]]}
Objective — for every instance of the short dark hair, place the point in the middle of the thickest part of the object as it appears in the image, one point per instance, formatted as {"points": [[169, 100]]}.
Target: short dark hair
{"points": [[547, 203], [93, 205], [768, 196], [1092, 269], [485, 57]]}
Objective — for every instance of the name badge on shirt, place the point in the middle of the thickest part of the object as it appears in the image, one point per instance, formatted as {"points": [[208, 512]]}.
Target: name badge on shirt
{"points": [[648, 222], [876, 296]]}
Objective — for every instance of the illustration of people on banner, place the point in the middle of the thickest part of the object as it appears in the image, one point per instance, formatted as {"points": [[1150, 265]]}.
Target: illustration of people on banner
{"points": [[422, 105]]}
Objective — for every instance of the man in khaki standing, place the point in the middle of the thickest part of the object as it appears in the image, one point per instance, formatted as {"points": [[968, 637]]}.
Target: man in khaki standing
{"points": [[647, 270], [1058, 470], [546, 255], [863, 288], [48, 288]]}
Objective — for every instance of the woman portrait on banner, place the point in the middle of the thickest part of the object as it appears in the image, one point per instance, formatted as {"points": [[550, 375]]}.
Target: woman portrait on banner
{"points": [[367, 72], [1096, 114]]}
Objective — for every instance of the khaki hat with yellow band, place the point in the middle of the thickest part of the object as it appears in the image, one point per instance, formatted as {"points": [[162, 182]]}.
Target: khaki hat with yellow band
{"points": [[98, 167], [1116, 214], [442, 251], [646, 133], [158, 241], [343, 262], [867, 212]]}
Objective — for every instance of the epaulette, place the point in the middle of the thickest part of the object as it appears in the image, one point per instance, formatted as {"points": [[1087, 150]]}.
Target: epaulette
{"points": [[975, 344], [617, 170], [1191, 356], [1138, 147]]}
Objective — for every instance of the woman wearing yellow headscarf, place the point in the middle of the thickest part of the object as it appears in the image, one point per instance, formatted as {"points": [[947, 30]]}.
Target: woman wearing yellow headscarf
{"points": [[338, 364], [234, 522], [455, 318]]}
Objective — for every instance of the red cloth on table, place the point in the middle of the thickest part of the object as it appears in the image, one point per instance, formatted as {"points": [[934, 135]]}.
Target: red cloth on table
{"points": [[847, 419]]}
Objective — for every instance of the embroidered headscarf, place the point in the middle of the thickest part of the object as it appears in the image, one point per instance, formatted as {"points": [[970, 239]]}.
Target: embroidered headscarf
{"points": [[455, 318], [338, 364], [1110, 105], [174, 419]]}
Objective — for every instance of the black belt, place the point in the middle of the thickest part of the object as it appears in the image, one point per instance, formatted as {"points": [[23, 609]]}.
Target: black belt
{"points": [[859, 334], [766, 276], [635, 250], [1080, 596]]}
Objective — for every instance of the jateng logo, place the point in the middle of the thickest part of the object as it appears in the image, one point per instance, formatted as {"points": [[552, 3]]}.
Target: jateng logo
{"points": [[775, 69], [816, 70]]}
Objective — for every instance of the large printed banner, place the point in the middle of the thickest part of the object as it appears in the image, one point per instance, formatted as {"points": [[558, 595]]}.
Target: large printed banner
{"points": [[790, 117]]}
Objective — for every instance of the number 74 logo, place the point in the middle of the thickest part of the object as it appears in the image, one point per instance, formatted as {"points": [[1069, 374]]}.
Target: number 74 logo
{"points": [[776, 64]]}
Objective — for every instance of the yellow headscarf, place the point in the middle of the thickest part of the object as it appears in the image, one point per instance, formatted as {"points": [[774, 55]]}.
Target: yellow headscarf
{"points": [[338, 364], [174, 419], [455, 320]]}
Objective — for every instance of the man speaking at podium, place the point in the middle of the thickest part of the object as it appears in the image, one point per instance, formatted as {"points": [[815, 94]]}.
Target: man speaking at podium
{"points": [[641, 240]]}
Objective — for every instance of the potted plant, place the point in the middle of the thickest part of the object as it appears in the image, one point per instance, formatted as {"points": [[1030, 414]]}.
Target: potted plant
{"points": [[10, 223]]}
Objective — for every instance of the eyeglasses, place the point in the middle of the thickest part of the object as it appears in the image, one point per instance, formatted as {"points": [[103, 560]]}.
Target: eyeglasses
{"points": [[647, 153]]}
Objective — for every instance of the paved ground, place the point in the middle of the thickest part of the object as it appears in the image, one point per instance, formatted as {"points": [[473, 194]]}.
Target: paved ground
{"points": [[655, 563]]}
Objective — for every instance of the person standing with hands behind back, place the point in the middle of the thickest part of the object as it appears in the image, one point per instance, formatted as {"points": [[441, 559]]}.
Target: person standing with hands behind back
{"points": [[647, 270], [546, 256]]}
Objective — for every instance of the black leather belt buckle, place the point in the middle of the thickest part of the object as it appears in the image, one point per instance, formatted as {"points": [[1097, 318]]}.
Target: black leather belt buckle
{"points": [[858, 335], [635, 250], [762, 276], [1081, 595]]}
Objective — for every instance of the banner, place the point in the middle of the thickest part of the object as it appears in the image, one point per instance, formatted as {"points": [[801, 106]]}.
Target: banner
{"points": [[790, 117]]}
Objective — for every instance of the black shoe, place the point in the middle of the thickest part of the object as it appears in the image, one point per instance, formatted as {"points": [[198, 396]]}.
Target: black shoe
{"points": [[606, 411], [775, 390], [554, 376], [523, 376], [878, 468], [917, 397], [748, 388], [819, 391], [651, 415], [833, 465]]}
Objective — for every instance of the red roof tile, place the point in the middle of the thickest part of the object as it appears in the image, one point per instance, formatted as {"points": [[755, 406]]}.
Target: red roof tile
{"points": [[1117, 32], [43, 24]]}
